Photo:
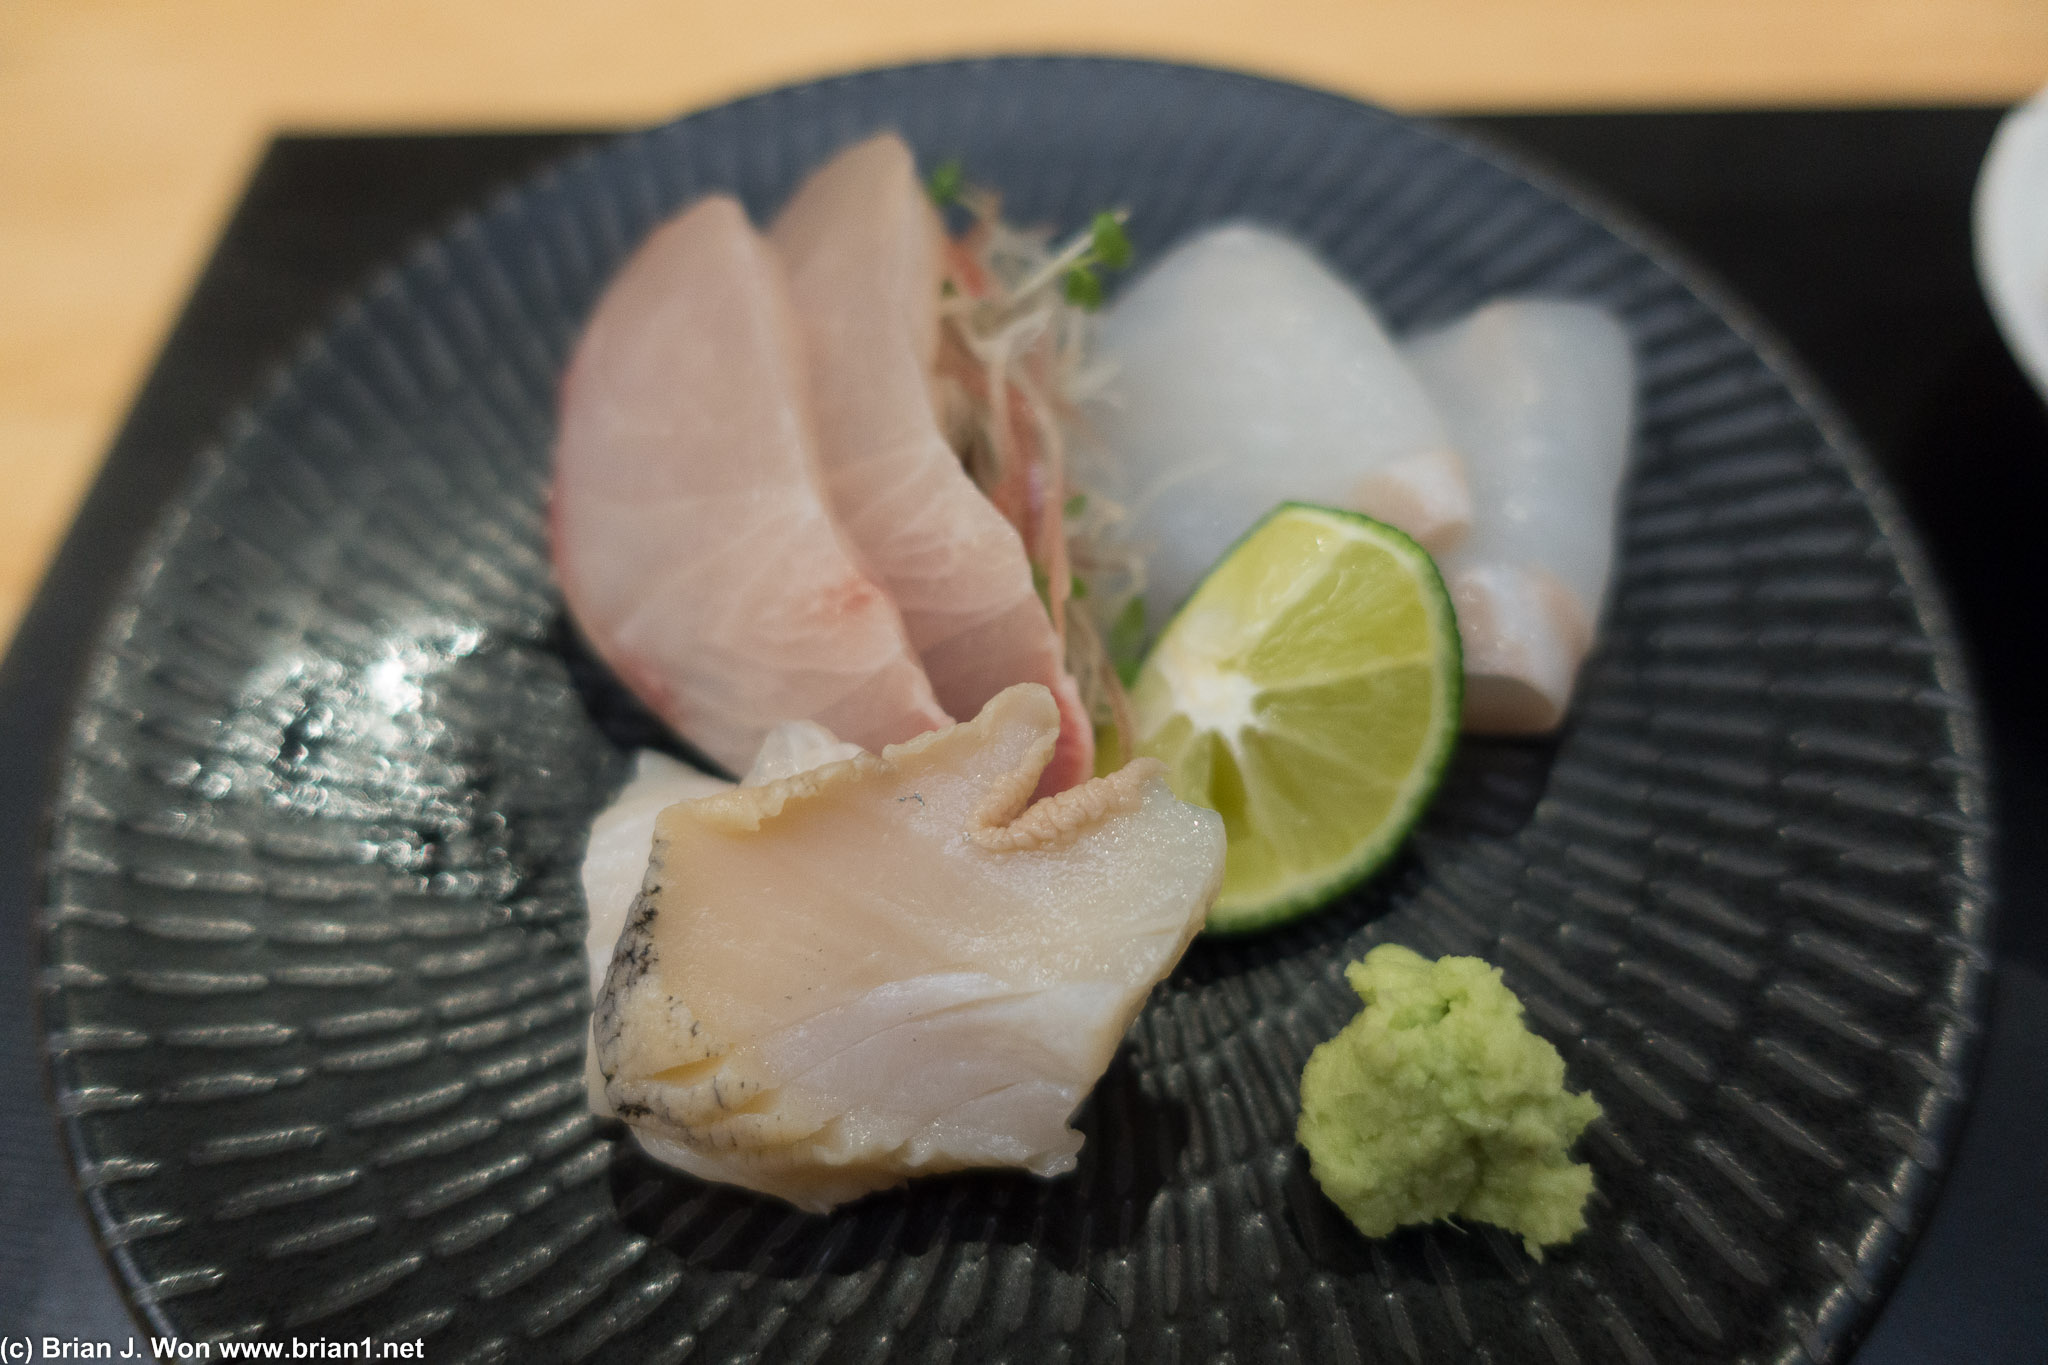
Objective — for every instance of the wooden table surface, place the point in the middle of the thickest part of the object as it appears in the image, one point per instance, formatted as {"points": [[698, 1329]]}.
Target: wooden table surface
{"points": [[127, 128]]}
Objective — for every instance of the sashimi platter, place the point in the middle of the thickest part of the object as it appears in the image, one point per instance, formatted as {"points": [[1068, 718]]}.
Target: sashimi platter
{"points": [[1032, 708]]}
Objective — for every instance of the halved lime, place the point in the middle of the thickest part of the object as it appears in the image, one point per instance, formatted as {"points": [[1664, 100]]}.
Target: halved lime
{"points": [[1308, 691]]}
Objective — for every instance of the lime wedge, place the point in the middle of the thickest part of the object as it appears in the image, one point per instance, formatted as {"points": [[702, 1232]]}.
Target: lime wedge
{"points": [[1308, 692]]}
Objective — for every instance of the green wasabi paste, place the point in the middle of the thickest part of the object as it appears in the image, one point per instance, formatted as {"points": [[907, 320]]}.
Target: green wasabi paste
{"points": [[1437, 1102]]}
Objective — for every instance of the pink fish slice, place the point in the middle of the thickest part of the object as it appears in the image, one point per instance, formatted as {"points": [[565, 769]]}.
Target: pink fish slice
{"points": [[865, 254], [691, 531]]}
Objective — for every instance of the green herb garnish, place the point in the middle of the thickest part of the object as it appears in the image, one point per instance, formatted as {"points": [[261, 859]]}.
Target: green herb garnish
{"points": [[1082, 288], [1104, 245], [946, 182], [1126, 642], [1112, 247]]}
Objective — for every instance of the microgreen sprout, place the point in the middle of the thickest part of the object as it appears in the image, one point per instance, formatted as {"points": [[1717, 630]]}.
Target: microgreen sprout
{"points": [[946, 182], [1112, 247], [1102, 244], [1082, 288], [1105, 245], [1126, 643]]}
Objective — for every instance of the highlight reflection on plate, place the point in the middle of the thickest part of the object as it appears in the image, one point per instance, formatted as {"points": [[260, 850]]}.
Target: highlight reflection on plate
{"points": [[317, 998]]}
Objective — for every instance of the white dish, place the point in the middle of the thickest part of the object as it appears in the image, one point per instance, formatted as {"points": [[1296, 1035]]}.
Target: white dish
{"points": [[2011, 230]]}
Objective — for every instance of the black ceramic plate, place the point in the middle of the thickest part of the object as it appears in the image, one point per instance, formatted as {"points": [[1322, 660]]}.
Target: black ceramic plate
{"points": [[315, 988]]}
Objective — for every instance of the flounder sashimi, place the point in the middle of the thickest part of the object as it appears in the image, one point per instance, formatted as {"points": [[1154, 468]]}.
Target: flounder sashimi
{"points": [[865, 251], [1539, 395], [890, 966], [1248, 373], [690, 522]]}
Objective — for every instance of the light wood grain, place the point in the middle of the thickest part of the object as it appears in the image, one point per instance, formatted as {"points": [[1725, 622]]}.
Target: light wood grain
{"points": [[126, 129]]}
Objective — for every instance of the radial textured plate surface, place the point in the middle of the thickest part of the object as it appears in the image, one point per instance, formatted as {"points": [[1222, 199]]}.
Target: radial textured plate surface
{"points": [[315, 998]]}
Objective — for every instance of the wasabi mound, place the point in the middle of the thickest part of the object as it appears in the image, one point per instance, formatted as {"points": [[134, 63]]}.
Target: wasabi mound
{"points": [[1437, 1102]]}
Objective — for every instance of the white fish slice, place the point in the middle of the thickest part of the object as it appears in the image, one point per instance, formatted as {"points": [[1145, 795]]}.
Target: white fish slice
{"points": [[1246, 374], [691, 532], [615, 859], [615, 863], [793, 747], [622, 836], [1539, 395], [864, 249], [772, 1021], [1524, 636]]}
